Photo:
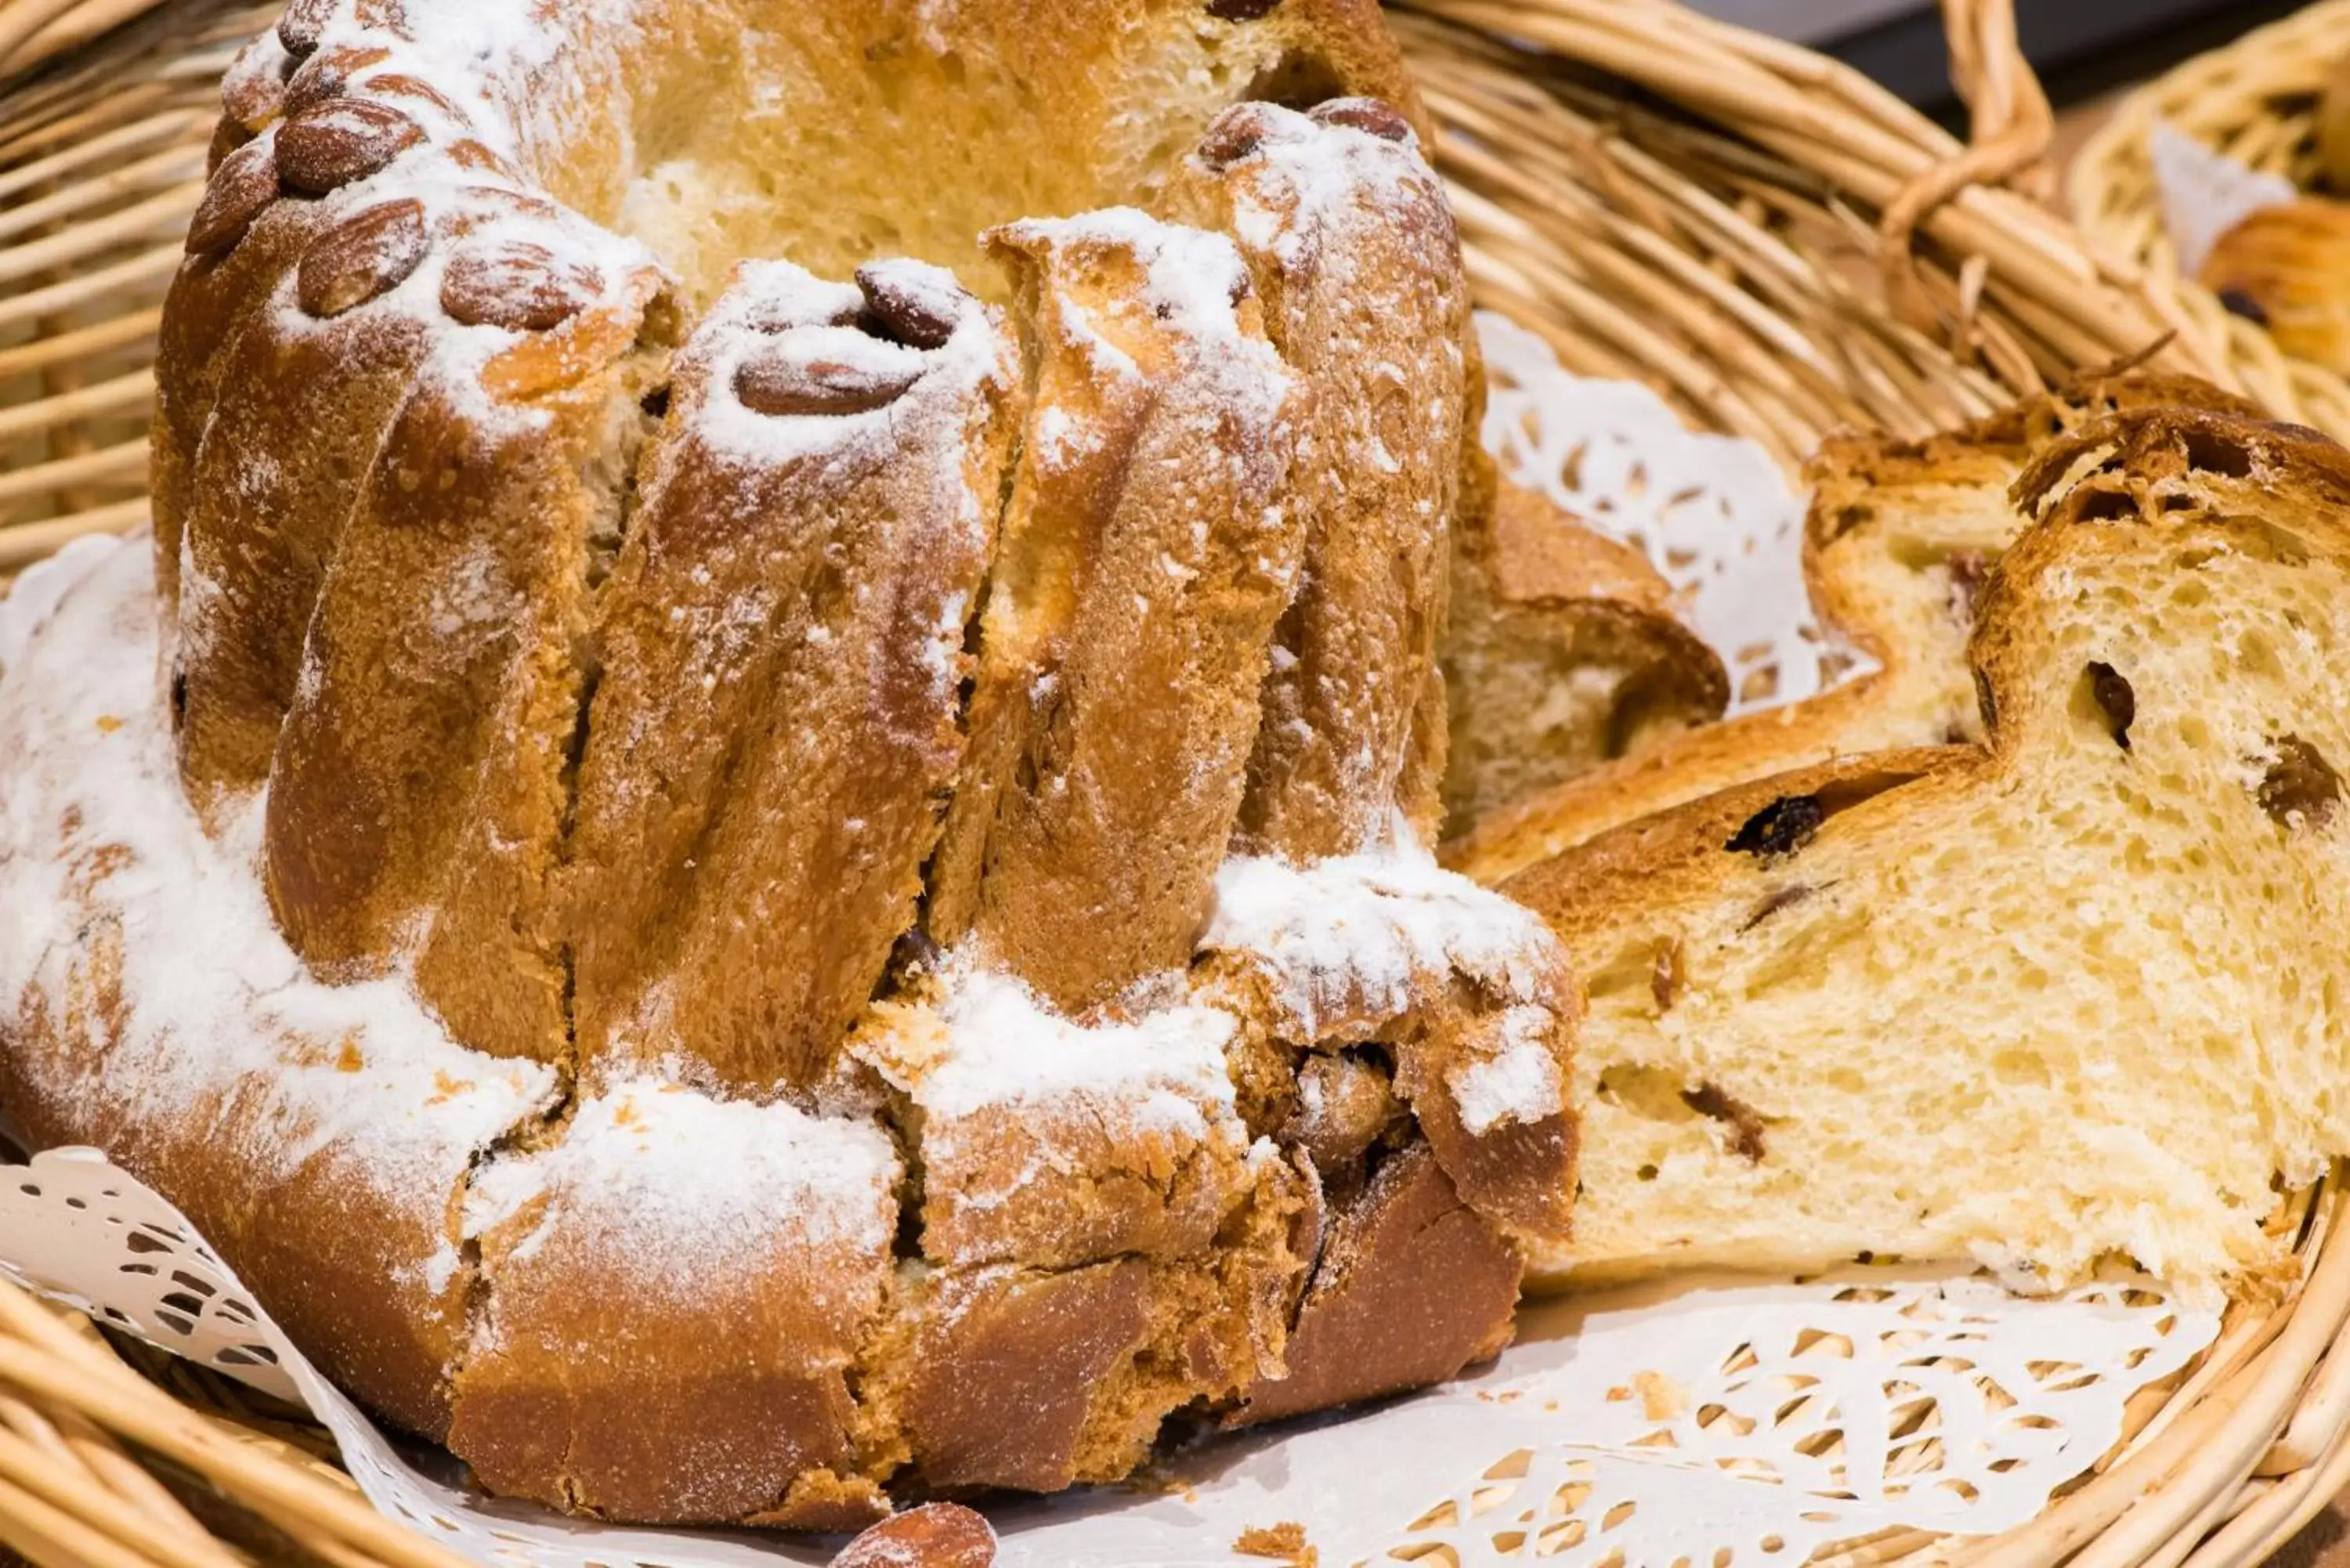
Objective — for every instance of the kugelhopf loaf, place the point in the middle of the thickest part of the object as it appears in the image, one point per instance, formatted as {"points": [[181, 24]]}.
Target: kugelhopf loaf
{"points": [[2063, 992], [752, 888]]}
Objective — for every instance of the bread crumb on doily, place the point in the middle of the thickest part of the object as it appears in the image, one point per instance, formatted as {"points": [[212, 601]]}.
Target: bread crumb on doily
{"points": [[1283, 1542]]}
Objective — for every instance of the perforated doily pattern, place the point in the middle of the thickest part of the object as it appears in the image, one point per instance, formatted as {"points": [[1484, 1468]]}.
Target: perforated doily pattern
{"points": [[1714, 514], [75, 1227], [1716, 1424]]}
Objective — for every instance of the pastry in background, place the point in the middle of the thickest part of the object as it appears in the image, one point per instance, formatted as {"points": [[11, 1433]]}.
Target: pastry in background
{"points": [[2333, 128], [2288, 269], [1563, 651]]}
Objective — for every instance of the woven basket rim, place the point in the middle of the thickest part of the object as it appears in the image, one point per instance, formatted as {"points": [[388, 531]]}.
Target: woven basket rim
{"points": [[1659, 196]]}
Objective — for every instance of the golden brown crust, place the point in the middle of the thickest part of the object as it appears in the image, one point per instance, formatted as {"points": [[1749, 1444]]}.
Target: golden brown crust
{"points": [[1143, 562], [428, 775], [1352, 246], [211, 298], [256, 537], [1007, 1369], [778, 717], [733, 1367], [1654, 857], [1412, 1286]]}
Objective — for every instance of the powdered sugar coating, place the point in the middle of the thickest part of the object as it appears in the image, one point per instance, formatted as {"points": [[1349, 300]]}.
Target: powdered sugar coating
{"points": [[1368, 930], [997, 1044], [93, 826], [1519, 1082], [771, 305], [669, 1186]]}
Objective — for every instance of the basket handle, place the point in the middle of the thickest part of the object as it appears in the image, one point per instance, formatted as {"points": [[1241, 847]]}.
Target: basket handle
{"points": [[2010, 126]]}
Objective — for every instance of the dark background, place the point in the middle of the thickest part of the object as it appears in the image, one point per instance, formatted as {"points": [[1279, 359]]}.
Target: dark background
{"points": [[2081, 47]]}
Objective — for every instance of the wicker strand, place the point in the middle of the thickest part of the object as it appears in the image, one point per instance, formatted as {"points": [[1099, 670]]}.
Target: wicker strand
{"points": [[2012, 125], [1777, 243], [41, 1359]]}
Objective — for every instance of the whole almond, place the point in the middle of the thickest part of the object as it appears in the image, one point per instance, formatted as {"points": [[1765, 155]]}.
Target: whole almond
{"points": [[368, 254], [513, 284], [303, 24], [1232, 136], [245, 184], [253, 89], [774, 379], [1365, 114], [331, 144], [935, 1535], [327, 75], [911, 303]]}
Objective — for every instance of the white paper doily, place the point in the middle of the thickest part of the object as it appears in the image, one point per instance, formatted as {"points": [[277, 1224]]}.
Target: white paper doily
{"points": [[1717, 1423], [1713, 514], [1710, 1424]]}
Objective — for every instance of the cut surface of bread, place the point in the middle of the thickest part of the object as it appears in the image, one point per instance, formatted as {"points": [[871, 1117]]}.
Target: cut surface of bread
{"points": [[2074, 992], [1562, 652], [1898, 540]]}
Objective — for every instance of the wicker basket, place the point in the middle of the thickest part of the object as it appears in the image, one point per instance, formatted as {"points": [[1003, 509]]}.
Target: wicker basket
{"points": [[1776, 244], [2255, 100]]}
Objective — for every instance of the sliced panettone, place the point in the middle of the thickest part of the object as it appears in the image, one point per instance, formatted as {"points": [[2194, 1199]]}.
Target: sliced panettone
{"points": [[2061, 994], [1899, 540], [1562, 652]]}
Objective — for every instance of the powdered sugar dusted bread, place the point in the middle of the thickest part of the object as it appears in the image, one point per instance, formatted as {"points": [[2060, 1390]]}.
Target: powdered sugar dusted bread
{"points": [[2029, 1000], [776, 718], [1147, 547], [1900, 539], [682, 859], [1352, 244]]}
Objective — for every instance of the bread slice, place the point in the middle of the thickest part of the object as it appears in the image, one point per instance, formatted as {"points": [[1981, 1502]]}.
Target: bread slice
{"points": [[1562, 652], [1898, 540], [2072, 992]]}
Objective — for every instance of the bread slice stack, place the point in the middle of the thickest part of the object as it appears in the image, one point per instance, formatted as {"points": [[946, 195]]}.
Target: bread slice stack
{"points": [[2072, 992], [1900, 539]]}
